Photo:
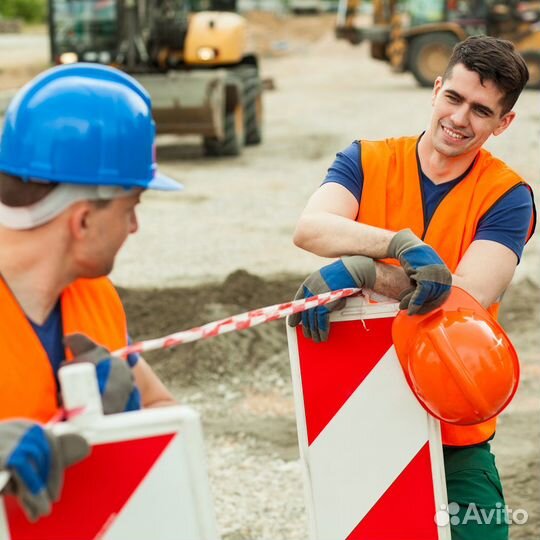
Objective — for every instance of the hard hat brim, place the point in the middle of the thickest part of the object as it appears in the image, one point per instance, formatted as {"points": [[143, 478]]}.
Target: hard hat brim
{"points": [[162, 182]]}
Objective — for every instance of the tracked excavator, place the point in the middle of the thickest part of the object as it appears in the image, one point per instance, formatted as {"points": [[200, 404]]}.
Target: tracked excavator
{"points": [[191, 57], [419, 35]]}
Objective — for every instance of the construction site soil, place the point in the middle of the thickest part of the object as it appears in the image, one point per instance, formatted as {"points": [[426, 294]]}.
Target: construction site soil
{"points": [[223, 246]]}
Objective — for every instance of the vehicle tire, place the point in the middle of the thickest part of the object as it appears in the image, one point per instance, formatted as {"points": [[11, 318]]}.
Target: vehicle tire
{"points": [[532, 59], [429, 55], [378, 51], [233, 141], [253, 110]]}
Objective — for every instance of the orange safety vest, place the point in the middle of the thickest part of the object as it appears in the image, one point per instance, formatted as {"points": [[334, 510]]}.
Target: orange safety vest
{"points": [[392, 199], [27, 382]]}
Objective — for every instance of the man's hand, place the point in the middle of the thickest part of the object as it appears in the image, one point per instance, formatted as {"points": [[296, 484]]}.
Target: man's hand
{"points": [[36, 460], [355, 271], [429, 276], [115, 380]]}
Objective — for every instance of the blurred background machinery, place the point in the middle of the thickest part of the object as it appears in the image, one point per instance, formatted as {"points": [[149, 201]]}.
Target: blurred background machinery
{"points": [[419, 35], [192, 57]]}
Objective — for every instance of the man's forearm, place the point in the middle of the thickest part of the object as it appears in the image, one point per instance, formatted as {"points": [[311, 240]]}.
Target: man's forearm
{"points": [[330, 235], [391, 281]]}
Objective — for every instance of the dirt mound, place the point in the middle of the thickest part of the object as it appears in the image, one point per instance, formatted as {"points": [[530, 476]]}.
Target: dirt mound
{"points": [[154, 313]]}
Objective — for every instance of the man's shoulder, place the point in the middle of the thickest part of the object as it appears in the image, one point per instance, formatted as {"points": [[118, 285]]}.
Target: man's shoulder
{"points": [[492, 165], [92, 284], [399, 149], [94, 291], [391, 141]]}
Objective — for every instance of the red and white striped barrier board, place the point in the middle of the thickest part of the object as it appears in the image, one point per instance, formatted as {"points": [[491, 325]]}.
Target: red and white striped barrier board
{"points": [[145, 479], [372, 456]]}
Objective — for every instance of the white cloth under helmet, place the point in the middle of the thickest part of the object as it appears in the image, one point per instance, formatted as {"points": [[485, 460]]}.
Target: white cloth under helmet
{"points": [[54, 203]]}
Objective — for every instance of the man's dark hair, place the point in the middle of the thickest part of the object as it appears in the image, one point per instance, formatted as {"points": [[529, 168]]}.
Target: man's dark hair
{"points": [[493, 60], [14, 192]]}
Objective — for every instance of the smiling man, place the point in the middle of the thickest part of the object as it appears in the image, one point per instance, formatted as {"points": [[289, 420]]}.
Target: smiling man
{"points": [[448, 212]]}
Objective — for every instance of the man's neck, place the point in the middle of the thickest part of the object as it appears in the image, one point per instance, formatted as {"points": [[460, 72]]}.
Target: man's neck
{"points": [[438, 167], [35, 278]]}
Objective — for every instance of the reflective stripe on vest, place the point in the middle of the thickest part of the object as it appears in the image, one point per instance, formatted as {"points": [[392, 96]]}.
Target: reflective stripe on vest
{"points": [[27, 383], [392, 199]]}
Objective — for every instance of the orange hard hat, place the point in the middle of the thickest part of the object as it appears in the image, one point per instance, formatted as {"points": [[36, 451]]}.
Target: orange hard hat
{"points": [[458, 360]]}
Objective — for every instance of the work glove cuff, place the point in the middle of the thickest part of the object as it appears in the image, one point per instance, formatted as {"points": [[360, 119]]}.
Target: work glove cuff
{"points": [[401, 242], [362, 270]]}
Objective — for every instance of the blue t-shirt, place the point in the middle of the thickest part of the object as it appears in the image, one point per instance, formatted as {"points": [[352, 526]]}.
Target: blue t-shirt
{"points": [[51, 335], [507, 222]]}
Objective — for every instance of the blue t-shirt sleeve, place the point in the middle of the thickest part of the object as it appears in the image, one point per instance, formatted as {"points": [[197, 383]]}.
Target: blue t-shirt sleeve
{"points": [[346, 170], [508, 220]]}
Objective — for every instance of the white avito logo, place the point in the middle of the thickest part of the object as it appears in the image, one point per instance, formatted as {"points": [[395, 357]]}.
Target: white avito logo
{"points": [[448, 515]]}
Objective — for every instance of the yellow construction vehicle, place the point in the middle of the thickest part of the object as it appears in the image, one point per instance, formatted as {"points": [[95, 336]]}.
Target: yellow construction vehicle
{"points": [[419, 35], [192, 59]]}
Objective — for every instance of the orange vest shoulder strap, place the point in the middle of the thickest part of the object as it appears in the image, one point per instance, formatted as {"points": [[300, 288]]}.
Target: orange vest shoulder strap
{"points": [[93, 307], [391, 181]]}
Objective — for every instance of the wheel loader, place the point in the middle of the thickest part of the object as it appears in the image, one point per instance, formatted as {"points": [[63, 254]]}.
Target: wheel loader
{"points": [[191, 57], [419, 35]]}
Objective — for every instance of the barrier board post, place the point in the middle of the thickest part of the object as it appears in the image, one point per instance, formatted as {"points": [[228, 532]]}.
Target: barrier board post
{"points": [[372, 456]]}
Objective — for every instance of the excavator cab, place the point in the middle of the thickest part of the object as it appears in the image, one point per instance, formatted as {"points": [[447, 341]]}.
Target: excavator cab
{"points": [[471, 14], [83, 30]]}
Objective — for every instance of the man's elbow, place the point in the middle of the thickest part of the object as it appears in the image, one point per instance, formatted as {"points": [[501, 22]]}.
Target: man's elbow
{"points": [[302, 237], [484, 296]]}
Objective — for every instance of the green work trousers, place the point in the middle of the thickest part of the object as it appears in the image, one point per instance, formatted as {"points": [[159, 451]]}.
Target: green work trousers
{"points": [[475, 496]]}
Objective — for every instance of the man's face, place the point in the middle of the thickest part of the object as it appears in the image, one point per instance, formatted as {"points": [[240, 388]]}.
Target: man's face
{"points": [[109, 226], [465, 113]]}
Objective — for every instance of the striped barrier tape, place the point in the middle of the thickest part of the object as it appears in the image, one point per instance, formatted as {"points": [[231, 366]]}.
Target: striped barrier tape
{"points": [[242, 321]]}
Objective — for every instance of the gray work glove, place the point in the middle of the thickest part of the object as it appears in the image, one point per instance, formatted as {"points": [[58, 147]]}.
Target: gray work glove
{"points": [[348, 272], [36, 459], [115, 379], [431, 280]]}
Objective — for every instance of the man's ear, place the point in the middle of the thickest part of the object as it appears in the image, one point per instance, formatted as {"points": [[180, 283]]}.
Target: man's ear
{"points": [[79, 219], [505, 121], [437, 85]]}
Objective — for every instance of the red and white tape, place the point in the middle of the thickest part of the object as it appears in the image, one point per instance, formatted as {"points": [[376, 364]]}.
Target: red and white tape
{"points": [[242, 321]]}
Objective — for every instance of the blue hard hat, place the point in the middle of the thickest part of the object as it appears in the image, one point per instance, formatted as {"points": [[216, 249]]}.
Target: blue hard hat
{"points": [[82, 124]]}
